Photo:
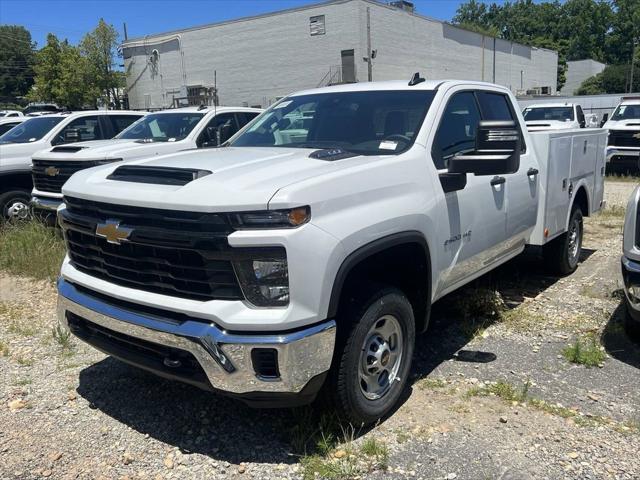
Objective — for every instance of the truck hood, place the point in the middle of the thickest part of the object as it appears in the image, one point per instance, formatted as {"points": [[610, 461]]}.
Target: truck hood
{"points": [[539, 125], [242, 178], [109, 149], [631, 124], [17, 156]]}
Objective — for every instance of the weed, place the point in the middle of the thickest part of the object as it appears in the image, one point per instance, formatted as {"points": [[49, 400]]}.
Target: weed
{"points": [[481, 303], [585, 351], [24, 361], [613, 212], [431, 383], [503, 390], [402, 437], [621, 177], [4, 349], [31, 249], [521, 318], [21, 382], [62, 336]]}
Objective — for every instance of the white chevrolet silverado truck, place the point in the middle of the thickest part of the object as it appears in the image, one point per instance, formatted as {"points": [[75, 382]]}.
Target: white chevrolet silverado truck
{"points": [[631, 263], [157, 133], [554, 116], [18, 144], [307, 250], [624, 134]]}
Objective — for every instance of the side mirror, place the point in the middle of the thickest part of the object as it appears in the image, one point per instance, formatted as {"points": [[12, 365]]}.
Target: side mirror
{"points": [[605, 117], [497, 150], [71, 135]]}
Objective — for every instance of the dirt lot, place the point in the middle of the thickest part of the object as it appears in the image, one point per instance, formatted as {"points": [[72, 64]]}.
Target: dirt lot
{"points": [[493, 393]]}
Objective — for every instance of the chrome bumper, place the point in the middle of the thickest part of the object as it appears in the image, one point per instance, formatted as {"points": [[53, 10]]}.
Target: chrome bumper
{"points": [[49, 204], [620, 152], [224, 357]]}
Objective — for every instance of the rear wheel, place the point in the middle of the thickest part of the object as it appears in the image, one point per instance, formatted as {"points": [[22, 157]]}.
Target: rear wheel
{"points": [[14, 205], [371, 369], [562, 254]]}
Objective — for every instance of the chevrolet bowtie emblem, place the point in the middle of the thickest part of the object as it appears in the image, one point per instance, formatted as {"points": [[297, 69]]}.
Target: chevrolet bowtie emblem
{"points": [[637, 135], [51, 171], [113, 232]]}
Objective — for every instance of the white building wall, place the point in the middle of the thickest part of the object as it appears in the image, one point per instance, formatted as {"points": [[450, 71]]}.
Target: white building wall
{"points": [[261, 58], [578, 71]]}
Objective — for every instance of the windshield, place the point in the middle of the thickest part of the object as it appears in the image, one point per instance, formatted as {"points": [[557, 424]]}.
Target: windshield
{"points": [[31, 130], [559, 114], [162, 127], [367, 123], [626, 112]]}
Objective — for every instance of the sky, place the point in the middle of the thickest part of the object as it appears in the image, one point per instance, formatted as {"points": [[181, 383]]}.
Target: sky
{"points": [[71, 19]]}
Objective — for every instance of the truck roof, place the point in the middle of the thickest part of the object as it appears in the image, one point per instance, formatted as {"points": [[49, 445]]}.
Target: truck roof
{"points": [[396, 85], [92, 112], [551, 105], [207, 109], [630, 101]]}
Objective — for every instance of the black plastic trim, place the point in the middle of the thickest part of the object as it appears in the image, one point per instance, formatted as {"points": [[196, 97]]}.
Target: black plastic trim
{"points": [[367, 251]]}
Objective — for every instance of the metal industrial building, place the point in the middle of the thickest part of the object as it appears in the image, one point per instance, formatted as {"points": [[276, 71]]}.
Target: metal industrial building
{"points": [[255, 60], [577, 72]]}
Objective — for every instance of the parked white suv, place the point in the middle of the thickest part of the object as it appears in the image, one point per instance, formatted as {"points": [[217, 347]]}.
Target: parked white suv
{"points": [[157, 133], [624, 134], [553, 116], [309, 249], [22, 141]]}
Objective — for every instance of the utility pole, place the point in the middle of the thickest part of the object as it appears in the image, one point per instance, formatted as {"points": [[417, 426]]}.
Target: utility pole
{"points": [[369, 65], [494, 60], [126, 37]]}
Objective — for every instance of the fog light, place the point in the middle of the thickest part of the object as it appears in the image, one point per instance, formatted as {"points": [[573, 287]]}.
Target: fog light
{"points": [[264, 277]]}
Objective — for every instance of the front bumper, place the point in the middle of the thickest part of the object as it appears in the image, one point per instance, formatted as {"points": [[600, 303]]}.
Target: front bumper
{"points": [[165, 343], [622, 154], [48, 204], [631, 278]]}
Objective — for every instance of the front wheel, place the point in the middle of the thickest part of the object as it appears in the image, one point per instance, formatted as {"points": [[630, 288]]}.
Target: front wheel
{"points": [[14, 205], [562, 254], [372, 368]]}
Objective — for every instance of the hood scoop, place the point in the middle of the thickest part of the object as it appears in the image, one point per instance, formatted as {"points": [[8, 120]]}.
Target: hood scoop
{"points": [[157, 175], [538, 124], [67, 149], [331, 154]]}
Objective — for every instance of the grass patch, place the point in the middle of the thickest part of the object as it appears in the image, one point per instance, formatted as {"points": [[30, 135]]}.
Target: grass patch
{"points": [[31, 249], [62, 336], [24, 361], [19, 322], [22, 382], [613, 212], [621, 177], [430, 383], [585, 351], [503, 390]]}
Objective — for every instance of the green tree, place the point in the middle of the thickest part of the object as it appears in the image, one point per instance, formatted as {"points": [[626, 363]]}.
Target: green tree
{"points": [[16, 62], [613, 79], [48, 71], [101, 49]]}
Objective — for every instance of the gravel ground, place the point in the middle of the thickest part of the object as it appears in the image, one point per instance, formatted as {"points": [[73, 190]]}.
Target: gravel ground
{"points": [[67, 411]]}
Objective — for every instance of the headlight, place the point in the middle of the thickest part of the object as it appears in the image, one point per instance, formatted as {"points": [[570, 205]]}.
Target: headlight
{"points": [[264, 276], [289, 218]]}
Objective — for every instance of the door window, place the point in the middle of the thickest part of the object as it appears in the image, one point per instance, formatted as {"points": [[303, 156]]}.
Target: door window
{"points": [[245, 117], [120, 122], [226, 121], [457, 130], [80, 130]]}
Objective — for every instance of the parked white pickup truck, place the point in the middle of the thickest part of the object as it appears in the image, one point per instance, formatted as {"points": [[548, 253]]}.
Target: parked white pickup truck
{"points": [[624, 134], [307, 250], [554, 116], [631, 263], [22, 141], [157, 133]]}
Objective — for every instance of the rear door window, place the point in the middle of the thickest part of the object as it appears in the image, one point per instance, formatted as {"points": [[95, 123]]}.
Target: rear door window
{"points": [[80, 130]]}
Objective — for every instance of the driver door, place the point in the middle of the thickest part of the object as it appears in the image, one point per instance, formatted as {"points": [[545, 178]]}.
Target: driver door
{"points": [[473, 220]]}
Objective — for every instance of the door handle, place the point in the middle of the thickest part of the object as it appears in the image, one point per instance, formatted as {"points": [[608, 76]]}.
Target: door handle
{"points": [[497, 181], [532, 171]]}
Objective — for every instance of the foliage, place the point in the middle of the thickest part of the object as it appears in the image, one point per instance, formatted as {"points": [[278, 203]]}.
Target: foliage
{"points": [[101, 49], [16, 61], [576, 29], [613, 79]]}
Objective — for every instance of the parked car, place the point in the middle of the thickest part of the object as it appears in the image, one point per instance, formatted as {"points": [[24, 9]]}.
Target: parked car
{"points": [[21, 142], [36, 109], [624, 134], [10, 113], [280, 263], [631, 263], [553, 116], [157, 133], [7, 123]]}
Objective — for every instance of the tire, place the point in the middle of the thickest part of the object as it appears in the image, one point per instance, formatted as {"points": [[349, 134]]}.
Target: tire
{"points": [[561, 255], [384, 310], [632, 325], [14, 205]]}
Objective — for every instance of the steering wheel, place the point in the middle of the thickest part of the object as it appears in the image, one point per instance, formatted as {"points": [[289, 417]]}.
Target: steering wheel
{"points": [[397, 136]]}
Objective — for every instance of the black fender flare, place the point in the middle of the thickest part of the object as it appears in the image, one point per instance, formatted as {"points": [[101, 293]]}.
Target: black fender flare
{"points": [[372, 248]]}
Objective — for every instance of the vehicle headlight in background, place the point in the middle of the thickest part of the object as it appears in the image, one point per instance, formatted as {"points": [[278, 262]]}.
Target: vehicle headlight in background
{"points": [[289, 218], [264, 276]]}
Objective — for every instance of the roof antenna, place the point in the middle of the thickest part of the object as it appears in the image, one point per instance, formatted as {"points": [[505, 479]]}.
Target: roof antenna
{"points": [[416, 79]]}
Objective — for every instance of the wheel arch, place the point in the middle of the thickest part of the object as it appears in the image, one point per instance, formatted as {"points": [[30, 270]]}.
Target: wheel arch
{"points": [[16, 180], [409, 242]]}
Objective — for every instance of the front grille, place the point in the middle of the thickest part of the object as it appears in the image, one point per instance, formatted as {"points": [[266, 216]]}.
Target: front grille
{"points": [[624, 138], [50, 175], [182, 254]]}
